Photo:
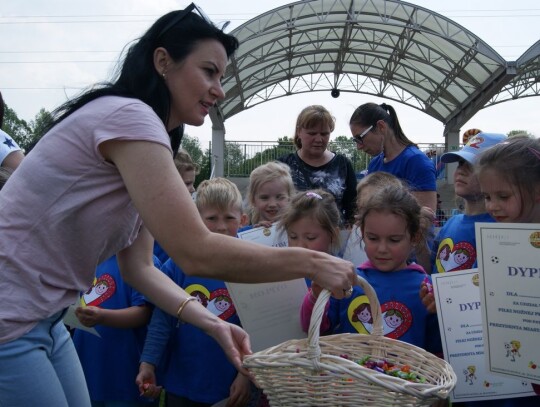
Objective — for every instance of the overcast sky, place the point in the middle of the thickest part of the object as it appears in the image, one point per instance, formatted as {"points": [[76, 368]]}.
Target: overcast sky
{"points": [[50, 50]]}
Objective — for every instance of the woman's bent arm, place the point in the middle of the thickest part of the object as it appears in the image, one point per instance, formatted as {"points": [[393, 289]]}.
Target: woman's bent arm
{"points": [[169, 213]]}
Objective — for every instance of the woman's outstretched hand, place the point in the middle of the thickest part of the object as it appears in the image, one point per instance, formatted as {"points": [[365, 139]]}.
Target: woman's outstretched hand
{"points": [[233, 340], [334, 274]]}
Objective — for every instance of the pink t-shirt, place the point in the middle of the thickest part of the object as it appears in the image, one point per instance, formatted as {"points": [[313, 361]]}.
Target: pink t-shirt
{"points": [[66, 210]]}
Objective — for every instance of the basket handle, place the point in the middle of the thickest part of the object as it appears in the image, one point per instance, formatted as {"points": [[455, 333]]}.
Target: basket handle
{"points": [[314, 350]]}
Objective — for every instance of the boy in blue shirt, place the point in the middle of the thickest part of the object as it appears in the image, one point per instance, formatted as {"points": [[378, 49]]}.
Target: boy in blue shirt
{"points": [[454, 247], [119, 314], [196, 371]]}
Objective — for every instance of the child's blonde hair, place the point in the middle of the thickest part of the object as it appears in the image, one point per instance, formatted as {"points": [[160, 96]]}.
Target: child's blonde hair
{"points": [[271, 171], [218, 193], [517, 161], [317, 204], [184, 162], [398, 200]]}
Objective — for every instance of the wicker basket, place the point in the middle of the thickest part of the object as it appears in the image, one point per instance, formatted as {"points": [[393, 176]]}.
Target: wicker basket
{"points": [[321, 371]]}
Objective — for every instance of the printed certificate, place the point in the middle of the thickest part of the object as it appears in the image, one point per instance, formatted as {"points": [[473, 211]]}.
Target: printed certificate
{"points": [[457, 297], [269, 312], [265, 236], [509, 266]]}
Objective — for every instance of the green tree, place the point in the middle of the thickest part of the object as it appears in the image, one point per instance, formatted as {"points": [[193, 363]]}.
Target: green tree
{"points": [[41, 123], [234, 159], [345, 146], [24, 133], [193, 146], [205, 170], [39, 126], [16, 128], [514, 133], [284, 146]]}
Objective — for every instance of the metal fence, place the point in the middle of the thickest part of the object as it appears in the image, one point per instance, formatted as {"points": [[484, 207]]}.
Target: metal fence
{"points": [[242, 157]]}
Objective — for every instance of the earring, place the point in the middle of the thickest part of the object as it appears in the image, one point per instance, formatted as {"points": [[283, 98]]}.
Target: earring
{"points": [[164, 75]]}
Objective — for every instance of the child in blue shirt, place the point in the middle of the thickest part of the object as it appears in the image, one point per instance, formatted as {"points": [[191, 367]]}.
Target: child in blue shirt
{"points": [[119, 314], [454, 247], [391, 226], [196, 372]]}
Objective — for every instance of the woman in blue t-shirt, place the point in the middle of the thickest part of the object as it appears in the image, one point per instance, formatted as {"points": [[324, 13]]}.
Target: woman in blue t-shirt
{"points": [[377, 131]]}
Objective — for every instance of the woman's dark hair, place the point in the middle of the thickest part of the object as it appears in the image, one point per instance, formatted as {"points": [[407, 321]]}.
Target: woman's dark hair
{"points": [[369, 114], [136, 76]]}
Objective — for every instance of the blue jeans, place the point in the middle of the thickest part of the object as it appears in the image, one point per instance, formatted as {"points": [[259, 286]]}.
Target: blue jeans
{"points": [[42, 368]]}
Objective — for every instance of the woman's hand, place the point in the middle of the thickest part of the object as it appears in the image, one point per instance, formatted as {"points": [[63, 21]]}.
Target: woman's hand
{"points": [[233, 340], [315, 290], [146, 381], [333, 273]]}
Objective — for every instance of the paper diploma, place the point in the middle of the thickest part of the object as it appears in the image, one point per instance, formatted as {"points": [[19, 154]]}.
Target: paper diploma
{"points": [[269, 312], [509, 266], [457, 297]]}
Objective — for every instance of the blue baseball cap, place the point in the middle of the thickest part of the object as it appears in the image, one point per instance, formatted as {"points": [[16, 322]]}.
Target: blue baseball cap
{"points": [[476, 145]]}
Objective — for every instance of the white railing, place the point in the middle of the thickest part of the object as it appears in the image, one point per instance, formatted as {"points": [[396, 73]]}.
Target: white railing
{"points": [[242, 157]]}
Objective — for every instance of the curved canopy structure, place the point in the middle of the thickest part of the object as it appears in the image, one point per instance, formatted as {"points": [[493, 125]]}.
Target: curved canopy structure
{"points": [[526, 83], [385, 48]]}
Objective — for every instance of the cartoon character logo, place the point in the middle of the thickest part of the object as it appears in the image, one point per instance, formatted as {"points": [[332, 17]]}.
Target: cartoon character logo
{"points": [[218, 302], [101, 290], [397, 318], [512, 349], [470, 375], [362, 314], [393, 319], [450, 257]]}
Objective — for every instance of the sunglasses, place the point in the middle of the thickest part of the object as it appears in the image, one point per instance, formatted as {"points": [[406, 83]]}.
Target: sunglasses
{"points": [[359, 138], [182, 14]]}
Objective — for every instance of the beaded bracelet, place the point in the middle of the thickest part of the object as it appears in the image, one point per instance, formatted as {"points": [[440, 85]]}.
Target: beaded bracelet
{"points": [[181, 308]]}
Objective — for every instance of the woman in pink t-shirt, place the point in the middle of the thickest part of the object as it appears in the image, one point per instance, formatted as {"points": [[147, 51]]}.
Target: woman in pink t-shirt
{"points": [[103, 170]]}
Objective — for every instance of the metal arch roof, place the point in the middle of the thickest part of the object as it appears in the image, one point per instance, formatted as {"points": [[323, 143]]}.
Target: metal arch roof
{"points": [[386, 48], [526, 83]]}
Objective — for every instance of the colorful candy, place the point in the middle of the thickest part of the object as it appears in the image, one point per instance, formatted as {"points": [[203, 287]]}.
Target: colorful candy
{"points": [[384, 366]]}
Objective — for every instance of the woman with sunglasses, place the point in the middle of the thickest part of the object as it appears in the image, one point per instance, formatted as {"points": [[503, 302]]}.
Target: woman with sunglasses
{"points": [[377, 131], [102, 181]]}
